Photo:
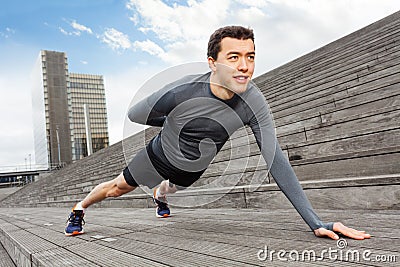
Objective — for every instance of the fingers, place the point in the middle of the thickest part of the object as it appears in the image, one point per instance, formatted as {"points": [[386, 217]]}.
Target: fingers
{"points": [[332, 235], [325, 232], [350, 232], [344, 230]]}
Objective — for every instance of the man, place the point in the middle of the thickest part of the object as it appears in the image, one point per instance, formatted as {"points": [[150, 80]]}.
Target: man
{"points": [[198, 113]]}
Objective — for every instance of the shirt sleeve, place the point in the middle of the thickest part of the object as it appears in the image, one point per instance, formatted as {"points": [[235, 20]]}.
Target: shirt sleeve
{"points": [[264, 131], [154, 109]]}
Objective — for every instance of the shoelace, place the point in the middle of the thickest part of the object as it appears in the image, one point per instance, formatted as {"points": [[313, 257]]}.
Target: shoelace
{"points": [[162, 205], [76, 220]]}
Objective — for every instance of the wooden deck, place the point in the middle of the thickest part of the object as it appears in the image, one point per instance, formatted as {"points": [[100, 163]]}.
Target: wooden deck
{"points": [[194, 237]]}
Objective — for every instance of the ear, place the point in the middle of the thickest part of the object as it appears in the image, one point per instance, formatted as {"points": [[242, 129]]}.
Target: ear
{"points": [[211, 64]]}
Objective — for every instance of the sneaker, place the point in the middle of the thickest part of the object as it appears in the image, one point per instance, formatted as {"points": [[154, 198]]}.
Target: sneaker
{"points": [[74, 223], [162, 209]]}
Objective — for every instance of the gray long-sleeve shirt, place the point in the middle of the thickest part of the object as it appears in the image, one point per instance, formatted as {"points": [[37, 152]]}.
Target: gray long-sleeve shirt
{"points": [[196, 124]]}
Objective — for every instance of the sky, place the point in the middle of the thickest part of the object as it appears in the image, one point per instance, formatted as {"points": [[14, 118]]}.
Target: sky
{"points": [[129, 41]]}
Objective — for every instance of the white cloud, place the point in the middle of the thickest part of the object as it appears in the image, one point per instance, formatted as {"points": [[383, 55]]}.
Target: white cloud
{"points": [[80, 27], [119, 41], [250, 14], [285, 29], [77, 28], [84, 62], [134, 19], [149, 47], [63, 31], [116, 39], [253, 3], [159, 22], [176, 26], [10, 30], [7, 32]]}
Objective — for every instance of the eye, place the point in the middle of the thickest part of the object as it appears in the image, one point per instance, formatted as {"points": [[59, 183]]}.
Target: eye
{"points": [[251, 57], [234, 57]]}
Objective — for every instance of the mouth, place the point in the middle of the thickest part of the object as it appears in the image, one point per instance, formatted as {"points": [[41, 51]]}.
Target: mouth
{"points": [[241, 79]]}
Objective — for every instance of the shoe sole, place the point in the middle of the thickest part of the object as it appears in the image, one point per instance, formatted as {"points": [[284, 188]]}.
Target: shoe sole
{"points": [[74, 233], [162, 216]]}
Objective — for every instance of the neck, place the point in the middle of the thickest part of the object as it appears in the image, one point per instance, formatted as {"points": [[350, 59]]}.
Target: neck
{"points": [[218, 90]]}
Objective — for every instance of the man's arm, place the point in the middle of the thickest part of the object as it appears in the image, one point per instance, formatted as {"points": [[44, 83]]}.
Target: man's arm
{"points": [[287, 181], [283, 173], [154, 109]]}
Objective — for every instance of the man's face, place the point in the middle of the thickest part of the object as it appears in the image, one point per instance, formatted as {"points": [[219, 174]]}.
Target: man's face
{"points": [[234, 66]]}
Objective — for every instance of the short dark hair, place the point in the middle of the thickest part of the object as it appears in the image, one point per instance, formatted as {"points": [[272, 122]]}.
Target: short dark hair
{"points": [[237, 32]]}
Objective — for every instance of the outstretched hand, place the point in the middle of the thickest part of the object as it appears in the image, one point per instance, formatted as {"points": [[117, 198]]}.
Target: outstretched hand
{"points": [[344, 230]]}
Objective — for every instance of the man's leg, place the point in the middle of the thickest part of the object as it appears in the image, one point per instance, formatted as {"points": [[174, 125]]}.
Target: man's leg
{"points": [[166, 188], [160, 198], [113, 188]]}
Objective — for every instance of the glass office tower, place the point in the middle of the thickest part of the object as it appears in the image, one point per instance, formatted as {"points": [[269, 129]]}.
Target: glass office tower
{"points": [[86, 89], [57, 101]]}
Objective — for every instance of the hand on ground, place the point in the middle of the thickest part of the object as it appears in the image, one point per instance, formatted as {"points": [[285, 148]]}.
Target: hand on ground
{"points": [[344, 230]]}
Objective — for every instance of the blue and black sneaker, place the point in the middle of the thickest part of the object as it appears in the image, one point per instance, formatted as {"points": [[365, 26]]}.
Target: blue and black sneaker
{"points": [[74, 223], [162, 209]]}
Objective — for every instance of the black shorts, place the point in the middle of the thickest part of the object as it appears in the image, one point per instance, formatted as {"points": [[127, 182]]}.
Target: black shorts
{"points": [[140, 171], [150, 170]]}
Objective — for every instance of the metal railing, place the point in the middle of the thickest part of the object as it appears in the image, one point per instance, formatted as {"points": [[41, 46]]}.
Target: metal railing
{"points": [[36, 167]]}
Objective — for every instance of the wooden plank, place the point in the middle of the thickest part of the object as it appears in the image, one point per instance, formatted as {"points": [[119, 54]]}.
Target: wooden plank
{"points": [[368, 197], [350, 96], [355, 167], [325, 79], [370, 141], [170, 256], [365, 63], [300, 67], [101, 254], [314, 86], [223, 170], [371, 162], [5, 259], [316, 96], [388, 97], [211, 247], [201, 237], [385, 120], [362, 121], [59, 257]]}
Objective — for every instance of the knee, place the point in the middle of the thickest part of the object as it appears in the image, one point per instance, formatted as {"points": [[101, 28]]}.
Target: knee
{"points": [[118, 187], [112, 189], [115, 192]]}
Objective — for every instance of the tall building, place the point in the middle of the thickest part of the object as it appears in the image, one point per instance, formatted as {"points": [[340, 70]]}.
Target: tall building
{"points": [[86, 89], [57, 101]]}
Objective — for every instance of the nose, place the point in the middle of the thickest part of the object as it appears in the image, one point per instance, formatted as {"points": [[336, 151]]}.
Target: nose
{"points": [[243, 65]]}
